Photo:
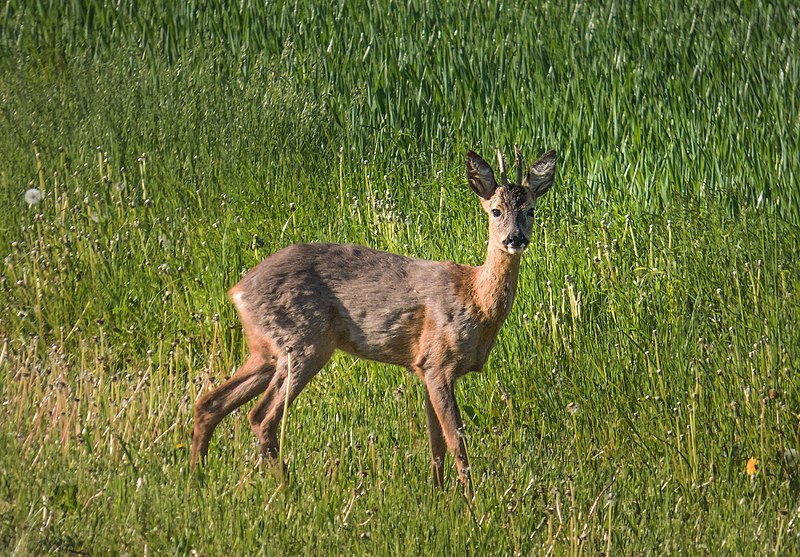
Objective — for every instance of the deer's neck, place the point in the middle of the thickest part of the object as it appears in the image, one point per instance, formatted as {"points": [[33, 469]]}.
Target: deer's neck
{"points": [[496, 283]]}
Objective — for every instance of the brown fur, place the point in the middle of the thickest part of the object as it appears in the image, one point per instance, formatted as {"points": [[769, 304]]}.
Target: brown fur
{"points": [[438, 319]]}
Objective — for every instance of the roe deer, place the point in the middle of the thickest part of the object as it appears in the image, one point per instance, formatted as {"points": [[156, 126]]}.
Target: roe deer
{"points": [[436, 318]]}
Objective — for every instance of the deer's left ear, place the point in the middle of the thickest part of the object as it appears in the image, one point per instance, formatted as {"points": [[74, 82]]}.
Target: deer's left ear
{"points": [[540, 176], [480, 176]]}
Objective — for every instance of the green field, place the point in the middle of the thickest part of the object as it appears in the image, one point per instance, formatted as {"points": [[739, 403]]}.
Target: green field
{"points": [[643, 397]]}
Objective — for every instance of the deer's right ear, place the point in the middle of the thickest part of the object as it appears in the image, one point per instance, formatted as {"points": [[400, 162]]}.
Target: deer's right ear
{"points": [[480, 176]]}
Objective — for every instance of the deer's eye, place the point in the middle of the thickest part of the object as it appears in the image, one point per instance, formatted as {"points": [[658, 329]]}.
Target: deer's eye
{"points": [[531, 211], [496, 213]]}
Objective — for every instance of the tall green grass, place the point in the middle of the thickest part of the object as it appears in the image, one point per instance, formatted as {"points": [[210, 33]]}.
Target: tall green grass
{"points": [[656, 102], [650, 359]]}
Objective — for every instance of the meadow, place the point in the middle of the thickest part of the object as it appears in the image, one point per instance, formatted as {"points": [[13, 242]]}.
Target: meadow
{"points": [[642, 398]]}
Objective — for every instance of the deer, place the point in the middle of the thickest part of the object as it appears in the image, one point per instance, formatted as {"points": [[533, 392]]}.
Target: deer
{"points": [[438, 319]]}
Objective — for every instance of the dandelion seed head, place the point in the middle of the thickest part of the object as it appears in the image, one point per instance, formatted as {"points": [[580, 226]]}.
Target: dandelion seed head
{"points": [[32, 196]]}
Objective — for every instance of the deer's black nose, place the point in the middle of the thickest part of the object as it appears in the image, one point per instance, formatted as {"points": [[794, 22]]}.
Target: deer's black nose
{"points": [[517, 241]]}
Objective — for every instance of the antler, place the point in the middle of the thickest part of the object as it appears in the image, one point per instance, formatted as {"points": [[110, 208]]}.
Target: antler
{"points": [[501, 163], [520, 165]]}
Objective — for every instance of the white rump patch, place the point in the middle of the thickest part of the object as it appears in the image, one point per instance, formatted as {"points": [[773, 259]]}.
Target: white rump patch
{"points": [[237, 301]]}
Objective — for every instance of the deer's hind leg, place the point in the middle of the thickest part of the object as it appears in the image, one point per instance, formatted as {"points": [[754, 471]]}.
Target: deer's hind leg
{"points": [[248, 381], [265, 417]]}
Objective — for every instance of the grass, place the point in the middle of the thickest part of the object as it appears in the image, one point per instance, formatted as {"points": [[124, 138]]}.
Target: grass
{"points": [[650, 359]]}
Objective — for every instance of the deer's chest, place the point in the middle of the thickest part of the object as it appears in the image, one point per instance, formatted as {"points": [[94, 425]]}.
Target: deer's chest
{"points": [[475, 342]]}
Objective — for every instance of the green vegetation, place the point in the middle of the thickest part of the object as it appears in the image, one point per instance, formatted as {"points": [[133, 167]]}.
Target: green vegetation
{"points": [[642, 398]]}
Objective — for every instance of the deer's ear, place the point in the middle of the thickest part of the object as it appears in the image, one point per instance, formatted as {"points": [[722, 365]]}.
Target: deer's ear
{"points": [[540, 176], [480, 176]]}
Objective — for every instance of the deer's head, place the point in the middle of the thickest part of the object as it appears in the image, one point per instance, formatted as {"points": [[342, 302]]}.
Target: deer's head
{"points": [[510, 206]]}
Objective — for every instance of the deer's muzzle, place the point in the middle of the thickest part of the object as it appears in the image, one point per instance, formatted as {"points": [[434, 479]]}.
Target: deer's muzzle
{"points": [[516, 243]]}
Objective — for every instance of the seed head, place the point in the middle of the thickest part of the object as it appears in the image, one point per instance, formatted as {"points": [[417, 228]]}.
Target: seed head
{"points": [[33, 196]]}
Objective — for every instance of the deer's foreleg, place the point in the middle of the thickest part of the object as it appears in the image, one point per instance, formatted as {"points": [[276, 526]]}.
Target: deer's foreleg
{"points": [[437, 440], [442, 398]]}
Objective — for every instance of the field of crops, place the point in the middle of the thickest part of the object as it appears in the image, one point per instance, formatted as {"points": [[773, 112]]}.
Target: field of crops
{"points": [[643, 395]]}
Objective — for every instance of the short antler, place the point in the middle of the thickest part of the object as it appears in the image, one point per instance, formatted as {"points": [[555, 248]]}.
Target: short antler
{"points": [[501, 163], [520, 165]]}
